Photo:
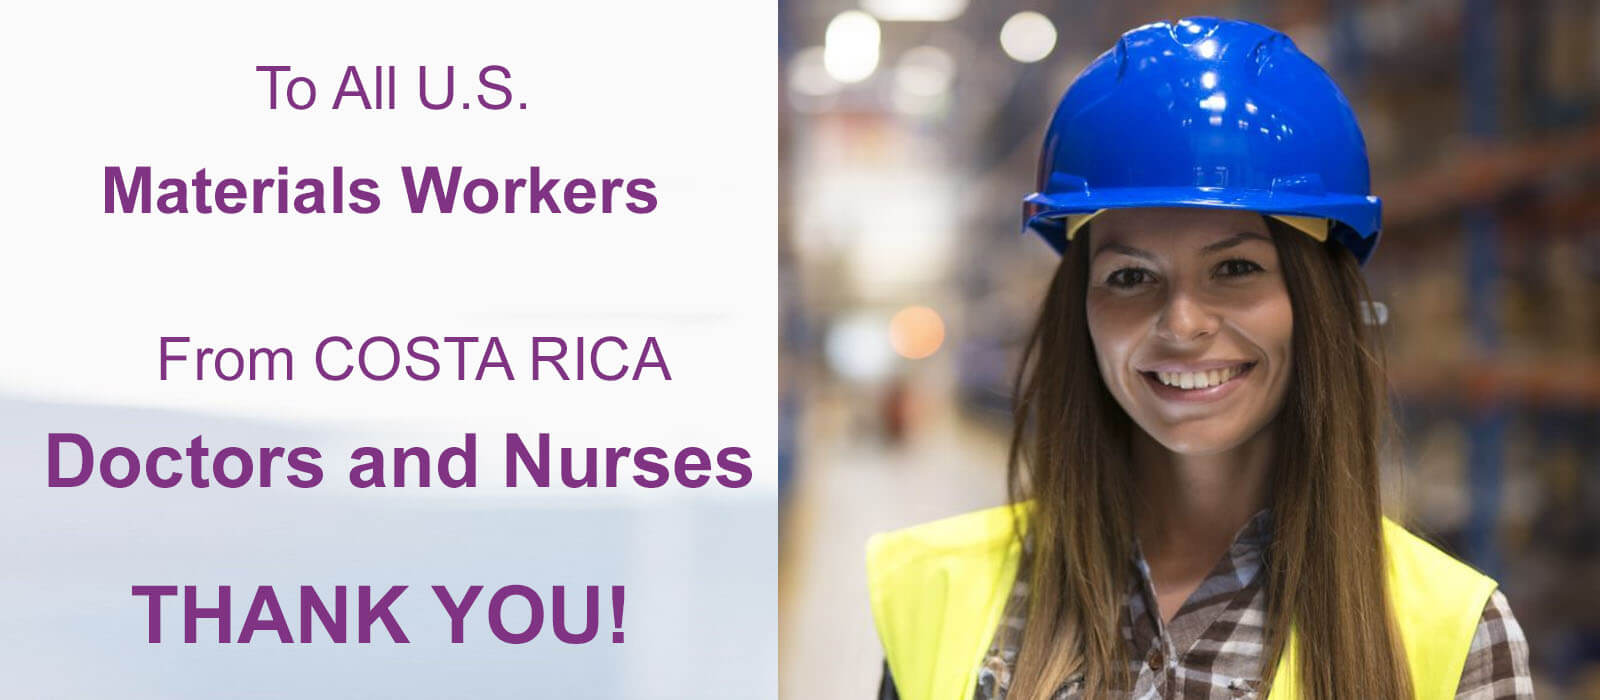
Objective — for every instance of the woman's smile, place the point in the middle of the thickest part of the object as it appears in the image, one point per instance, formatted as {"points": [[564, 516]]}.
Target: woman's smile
{"points": [[1203, 382]]}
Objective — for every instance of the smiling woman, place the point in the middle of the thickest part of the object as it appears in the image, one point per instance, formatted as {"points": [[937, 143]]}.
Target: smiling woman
{"points": [[1198, 420]]}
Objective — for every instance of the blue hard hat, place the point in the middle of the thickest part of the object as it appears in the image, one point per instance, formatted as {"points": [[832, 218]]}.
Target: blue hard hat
{"points": [[1206, 113]]}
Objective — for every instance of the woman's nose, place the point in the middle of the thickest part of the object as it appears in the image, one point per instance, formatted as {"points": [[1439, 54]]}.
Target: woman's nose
{"points": [[1185, 317]]}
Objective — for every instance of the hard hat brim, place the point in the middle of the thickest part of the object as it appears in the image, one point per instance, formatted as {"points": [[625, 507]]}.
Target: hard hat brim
{"points": [[1355, 217]]}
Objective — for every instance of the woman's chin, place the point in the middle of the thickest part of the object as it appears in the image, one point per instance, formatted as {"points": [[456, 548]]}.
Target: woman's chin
{"points": [[1200, 438]]}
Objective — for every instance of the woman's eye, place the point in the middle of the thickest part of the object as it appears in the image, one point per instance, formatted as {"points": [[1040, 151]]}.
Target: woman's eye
{"points": [[1128, 277], [1237, 267]]}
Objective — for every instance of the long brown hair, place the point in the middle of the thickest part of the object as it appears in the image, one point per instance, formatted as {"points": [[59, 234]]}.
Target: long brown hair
{"points": [[1325, 566]]}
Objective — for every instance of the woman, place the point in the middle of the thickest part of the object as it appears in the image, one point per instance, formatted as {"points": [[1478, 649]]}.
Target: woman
{"points": [[1199, 414]]}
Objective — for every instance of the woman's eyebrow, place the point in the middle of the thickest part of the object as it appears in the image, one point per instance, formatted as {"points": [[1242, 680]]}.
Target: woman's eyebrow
{"points": [[1234, 240], [1125, 250]]}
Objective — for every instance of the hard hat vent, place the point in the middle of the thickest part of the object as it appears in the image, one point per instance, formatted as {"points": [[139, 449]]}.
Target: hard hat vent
{"points": [[1189, 30], [1269, 48]]}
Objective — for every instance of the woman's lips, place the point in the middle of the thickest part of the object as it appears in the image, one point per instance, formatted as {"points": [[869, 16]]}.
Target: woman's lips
{"points": [[1208, 393]]}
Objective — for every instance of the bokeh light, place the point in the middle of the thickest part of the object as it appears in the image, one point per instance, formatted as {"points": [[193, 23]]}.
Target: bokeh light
{"points": [[850, 46], [857, 347], [1028, 37], [916, 332], [922, 79], [915, 10]]}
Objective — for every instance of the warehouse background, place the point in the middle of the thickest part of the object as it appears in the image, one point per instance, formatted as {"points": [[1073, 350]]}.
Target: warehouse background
{"points": [[910, 131]]}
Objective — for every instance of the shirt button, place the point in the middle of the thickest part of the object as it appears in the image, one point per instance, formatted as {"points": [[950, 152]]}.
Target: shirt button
{"points": [[1155, 660]]}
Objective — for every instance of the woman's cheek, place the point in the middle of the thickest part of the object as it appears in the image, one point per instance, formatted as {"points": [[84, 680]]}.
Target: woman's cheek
{"points": [[1272, 328], [1113, 330]]}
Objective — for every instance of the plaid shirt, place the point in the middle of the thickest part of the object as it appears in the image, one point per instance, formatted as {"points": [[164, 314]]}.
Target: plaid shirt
{"points": [[1211, 648]]}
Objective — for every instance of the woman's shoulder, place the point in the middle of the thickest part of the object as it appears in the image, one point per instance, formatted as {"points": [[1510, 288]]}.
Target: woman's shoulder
{"points": [[937, 591], [1424, 581], [1497, 663], [1417, 563], [980, 532], [1439, 603]]}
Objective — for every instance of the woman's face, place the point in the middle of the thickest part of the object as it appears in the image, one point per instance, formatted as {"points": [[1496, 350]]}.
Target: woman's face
{"points": [[1191, 323]]}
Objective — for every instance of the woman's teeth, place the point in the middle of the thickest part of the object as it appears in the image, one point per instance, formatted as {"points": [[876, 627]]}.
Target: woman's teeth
{"points": [[1200, 380]]}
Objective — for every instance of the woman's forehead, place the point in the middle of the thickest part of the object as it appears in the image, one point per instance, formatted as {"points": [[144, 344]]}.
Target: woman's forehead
{"points": [[1174, 226]]}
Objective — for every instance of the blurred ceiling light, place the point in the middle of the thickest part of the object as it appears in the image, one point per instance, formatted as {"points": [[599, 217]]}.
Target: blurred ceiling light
{"points": [[850, 46], [925, 71], [857, 347], [904, 229], [922, 79], [916, 332], [1028, 36], [808, 76], [915, 10]]}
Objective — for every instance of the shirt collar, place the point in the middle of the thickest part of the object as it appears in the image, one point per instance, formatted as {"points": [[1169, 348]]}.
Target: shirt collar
{"points": [[1235, 571]]}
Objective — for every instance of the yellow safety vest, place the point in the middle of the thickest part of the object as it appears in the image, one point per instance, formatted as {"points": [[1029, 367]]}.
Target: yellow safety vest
{"points": [[938, 591]]}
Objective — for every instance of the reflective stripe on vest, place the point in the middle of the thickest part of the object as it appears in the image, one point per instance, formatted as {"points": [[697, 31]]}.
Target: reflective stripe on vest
{"points": [[939, 589]]}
